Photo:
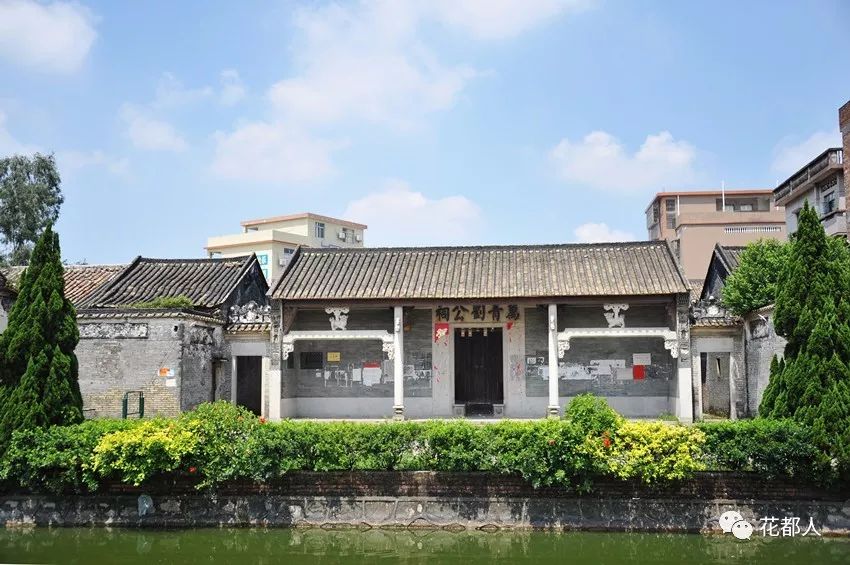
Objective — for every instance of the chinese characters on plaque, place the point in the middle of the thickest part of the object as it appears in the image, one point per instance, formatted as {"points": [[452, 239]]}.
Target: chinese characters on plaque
{"points": [[477, 313]]}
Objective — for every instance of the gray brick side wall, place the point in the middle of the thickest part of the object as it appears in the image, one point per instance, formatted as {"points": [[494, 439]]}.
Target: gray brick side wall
{"points": [[112, 364], [762, 344]]}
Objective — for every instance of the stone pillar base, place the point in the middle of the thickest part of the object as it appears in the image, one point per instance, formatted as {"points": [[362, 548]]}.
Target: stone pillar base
{"points": [[553, 412], [398, 412]]}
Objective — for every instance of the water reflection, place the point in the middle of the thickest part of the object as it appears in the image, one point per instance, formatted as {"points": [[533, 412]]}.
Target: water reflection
{"points": [[91, 546]]}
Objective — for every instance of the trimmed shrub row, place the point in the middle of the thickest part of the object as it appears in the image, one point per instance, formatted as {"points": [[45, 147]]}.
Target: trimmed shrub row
{"points": [[219, 442]]}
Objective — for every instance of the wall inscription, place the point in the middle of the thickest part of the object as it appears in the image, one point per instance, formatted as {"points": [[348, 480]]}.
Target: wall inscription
{"points": [[123, 330]]}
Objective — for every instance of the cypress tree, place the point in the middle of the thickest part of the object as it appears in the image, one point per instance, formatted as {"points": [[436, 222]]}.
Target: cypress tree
{"points": [[38, 369], [812, 383]]}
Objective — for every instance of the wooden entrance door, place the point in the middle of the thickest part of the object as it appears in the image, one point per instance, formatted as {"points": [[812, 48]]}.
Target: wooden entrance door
{"points": [[478, 370], [249, 382]]}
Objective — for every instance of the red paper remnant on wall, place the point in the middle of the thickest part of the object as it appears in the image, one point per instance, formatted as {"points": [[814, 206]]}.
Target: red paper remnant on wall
{"points": [[441, 329], [372, 365], [639, 372], [509, 325]]}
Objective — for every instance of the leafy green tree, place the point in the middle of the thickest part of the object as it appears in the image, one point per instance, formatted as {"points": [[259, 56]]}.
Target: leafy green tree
{"points": [[38, 368], [753, 283], [30, 199], [812, 384]]}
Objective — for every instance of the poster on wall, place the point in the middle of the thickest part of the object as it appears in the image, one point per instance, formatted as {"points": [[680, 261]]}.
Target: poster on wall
{"points": [[606, 366], [441, 330], [642, 359]]}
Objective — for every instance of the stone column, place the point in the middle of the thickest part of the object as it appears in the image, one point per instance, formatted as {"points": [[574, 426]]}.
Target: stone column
{"points": [[398, 363], [233, 379], [554, 409], [685, 400], [272, 378]]}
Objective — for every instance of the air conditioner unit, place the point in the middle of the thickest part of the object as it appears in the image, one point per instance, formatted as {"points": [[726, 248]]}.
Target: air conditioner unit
{"points": [[358, 238], [341, 235]]}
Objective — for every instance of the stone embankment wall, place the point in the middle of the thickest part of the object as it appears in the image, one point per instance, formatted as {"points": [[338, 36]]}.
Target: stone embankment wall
{"points": [[452, 501]]}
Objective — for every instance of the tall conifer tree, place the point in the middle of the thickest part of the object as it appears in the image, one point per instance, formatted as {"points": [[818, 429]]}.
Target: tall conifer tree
{"points": [[38, 369], [812, 383]]}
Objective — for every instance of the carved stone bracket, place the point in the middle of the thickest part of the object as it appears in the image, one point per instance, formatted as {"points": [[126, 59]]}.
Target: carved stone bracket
{"points": [[671, 341], [672, 345], [339, 318], [385, 337], [614, 317], [563, 346], [389, 348]]}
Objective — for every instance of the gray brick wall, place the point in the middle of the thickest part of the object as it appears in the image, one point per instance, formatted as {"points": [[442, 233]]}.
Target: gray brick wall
{"points": [[658, 375], [111, 364], [762, 344]]}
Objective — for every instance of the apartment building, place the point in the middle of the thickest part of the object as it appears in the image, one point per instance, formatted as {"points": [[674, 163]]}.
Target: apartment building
{"points": [[822, 182], [695, 221], [275, 239]]}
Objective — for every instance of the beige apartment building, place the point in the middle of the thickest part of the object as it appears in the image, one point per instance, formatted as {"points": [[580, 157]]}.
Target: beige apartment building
{"points": [[695, 221], [275, 239]]}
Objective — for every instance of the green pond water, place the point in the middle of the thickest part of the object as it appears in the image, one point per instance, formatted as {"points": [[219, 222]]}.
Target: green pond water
{"points": [[92, 546]]}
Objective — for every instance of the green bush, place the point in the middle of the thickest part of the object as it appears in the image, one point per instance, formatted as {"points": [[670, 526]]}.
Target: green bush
{"points": [[57, 459], [652, 452], [771, 448], [592, 414], [150, 449]]}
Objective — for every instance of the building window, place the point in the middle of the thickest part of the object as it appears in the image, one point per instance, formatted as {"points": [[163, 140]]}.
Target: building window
{"points": [[320, 230], [670, 205], [830, 203], [312, 360], [671, 222], [263, 259]]}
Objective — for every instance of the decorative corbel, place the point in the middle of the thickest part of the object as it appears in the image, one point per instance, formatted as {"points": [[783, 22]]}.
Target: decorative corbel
{"points": [[286, 349], [563, 346], [389, 348]]}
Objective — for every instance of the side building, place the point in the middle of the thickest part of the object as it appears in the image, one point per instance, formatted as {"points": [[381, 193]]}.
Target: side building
{"points": [[212, 346], [275, 239], [510, 331]]}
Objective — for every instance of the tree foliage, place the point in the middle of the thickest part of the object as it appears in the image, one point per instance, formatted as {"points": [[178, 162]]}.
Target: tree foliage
{"points": [[38, 368], [812, 383], [30, 199], [753, 283]]}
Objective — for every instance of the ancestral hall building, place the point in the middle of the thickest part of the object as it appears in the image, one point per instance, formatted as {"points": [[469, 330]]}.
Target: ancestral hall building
{"points": [[510, 331]]}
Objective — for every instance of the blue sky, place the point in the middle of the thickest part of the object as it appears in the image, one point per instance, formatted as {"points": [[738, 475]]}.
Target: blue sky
{"points": [[435, 122]]}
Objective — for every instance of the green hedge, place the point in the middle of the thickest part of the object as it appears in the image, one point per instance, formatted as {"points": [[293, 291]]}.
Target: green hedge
{"points": [[771, 448], [219, 442]]}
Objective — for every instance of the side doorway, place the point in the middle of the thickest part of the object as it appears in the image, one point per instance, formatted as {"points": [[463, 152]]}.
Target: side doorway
{"points": [[249, 382]]}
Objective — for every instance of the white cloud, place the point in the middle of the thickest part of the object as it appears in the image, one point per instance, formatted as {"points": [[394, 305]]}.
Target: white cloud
{"points": [[262, 152], [232, 89], [398, 215], [150, 133], [72, 161], [600, 161], [597, 233], [9, 145], [365, 62], [789, 157], [54, 37], [171, 92], [499, 19]]}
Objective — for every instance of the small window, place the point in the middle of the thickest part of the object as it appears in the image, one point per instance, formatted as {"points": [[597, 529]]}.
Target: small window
{"points": [[312, 360], [288, 251], [670, 204], [830, 203], [671, 222], [320, 230]]}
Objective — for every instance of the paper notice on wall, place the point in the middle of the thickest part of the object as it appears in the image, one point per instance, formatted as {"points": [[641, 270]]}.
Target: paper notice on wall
{"points": [[604, 366], [170, 382], [642, 359], [575, 372]]}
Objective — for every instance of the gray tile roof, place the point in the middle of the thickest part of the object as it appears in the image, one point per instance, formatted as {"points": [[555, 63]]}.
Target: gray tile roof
{"points": [[206, 282], [80, 280], [730, 256], [532, 271]]}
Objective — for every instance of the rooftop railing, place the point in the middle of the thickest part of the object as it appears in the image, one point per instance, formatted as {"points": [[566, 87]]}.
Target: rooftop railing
{"points": [[829, 158]]}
